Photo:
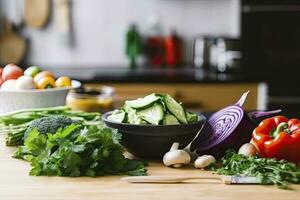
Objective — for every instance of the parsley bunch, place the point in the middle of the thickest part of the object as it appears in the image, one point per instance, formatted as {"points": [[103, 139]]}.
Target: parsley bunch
{"points": [[270, 171], [77, 150]]}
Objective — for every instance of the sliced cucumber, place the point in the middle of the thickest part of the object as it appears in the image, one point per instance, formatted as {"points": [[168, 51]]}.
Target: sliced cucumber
{"points": [[143, 122], [191, 117], [127, 109], [170, 120], [154, 114], [175, 108], [117, 116], [153, 109], [133, 118], [144, 102]]}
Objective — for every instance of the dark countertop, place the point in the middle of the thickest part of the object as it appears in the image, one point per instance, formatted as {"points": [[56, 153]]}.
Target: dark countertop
{"points": [[152, 75]]}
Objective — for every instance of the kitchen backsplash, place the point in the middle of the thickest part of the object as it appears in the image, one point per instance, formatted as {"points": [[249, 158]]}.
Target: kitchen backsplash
{"points": [[99, 28]]}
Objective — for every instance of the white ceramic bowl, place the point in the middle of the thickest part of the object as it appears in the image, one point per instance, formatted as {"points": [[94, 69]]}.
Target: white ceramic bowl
{"points": [[22, 99]]}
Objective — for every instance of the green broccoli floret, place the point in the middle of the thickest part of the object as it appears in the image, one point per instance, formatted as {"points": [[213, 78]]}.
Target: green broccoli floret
{"points": [[49, 124]]}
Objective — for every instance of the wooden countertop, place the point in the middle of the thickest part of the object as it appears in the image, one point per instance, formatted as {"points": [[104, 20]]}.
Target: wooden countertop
{"points": [[15, 183]]}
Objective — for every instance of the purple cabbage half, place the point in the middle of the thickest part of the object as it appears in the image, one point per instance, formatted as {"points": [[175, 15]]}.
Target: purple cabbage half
{"points": [[228, 128]]}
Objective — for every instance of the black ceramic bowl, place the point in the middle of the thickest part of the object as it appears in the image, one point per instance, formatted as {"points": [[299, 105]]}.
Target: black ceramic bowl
{"points": [[150, 141]]}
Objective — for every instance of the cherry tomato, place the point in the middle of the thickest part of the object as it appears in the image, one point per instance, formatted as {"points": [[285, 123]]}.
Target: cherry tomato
{"points": [[45, 82], [63, 81], [11, 71], [42, 75]]}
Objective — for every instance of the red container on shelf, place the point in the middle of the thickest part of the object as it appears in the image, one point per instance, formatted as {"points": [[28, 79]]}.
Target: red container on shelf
{"points": [[173, 49], [155, 50]]}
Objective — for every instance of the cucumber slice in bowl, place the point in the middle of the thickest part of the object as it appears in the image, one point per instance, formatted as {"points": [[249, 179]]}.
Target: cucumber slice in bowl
{"points": [[175, 108], [154, 109], [154, 114], [144, 102], [170, 120], [134, 118], [117, 116], [191, 117]]}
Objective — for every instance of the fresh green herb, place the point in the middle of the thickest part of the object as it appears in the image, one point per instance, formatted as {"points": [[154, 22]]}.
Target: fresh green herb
{"points": [[15, 124], [77, 150], [270, 171]]}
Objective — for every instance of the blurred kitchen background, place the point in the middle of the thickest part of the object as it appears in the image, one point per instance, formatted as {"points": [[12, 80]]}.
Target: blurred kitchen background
{"points": [[203, 52]]}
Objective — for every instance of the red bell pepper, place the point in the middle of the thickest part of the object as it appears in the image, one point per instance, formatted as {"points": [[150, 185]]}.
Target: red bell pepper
{"points": [[278, 137]]}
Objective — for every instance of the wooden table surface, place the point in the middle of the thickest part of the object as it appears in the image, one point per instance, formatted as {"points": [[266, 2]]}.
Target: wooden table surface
{"points": [[15, 183]]}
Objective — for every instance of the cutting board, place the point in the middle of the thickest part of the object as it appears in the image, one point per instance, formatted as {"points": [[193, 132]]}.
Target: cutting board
{"points": [[36, 12], [12, 45], [16, 184]]}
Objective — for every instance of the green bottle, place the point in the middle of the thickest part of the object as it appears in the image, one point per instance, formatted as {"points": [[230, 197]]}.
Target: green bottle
{"points": [[133, 45]]}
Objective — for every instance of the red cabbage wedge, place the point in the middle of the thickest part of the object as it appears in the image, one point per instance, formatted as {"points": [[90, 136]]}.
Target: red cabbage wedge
{"points": [[228, 128]]}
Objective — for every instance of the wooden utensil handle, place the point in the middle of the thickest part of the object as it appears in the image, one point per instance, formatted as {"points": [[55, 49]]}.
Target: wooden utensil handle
{"points": [[171, 179]]}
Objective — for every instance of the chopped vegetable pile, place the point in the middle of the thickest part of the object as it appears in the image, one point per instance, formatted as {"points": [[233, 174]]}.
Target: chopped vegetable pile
{"points": [[154, 109], [77, 150], [270, 171]]}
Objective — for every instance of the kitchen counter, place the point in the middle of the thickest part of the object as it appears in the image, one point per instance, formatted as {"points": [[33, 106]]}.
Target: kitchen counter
{"points": [[150, 75], [15, 183], [280, 92]]}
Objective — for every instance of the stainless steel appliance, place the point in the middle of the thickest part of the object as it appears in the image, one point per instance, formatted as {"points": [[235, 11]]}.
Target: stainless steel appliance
{"points": [[220, 54]]}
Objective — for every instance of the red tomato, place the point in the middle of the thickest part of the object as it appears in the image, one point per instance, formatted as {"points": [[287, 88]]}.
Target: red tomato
{"points": [[11, 71]]}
